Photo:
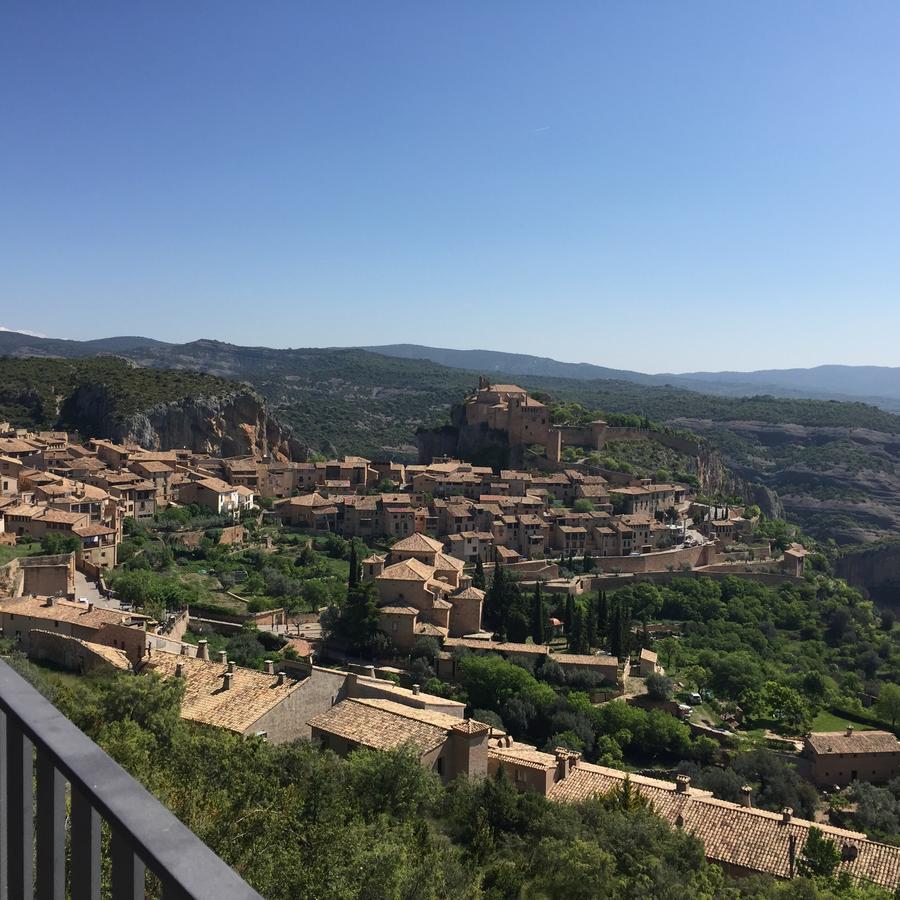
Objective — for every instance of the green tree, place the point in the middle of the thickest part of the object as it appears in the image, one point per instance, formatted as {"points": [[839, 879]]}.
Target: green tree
{"points": [[570, 616], [888, 705], [358, 623], [353, 577], [538, 615], [591, 631], [478, 580], [578, 642], [820, 855]]}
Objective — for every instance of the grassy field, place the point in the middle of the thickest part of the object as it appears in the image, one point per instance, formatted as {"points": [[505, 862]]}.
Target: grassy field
{"points": [[826, 721], [8, 553]]}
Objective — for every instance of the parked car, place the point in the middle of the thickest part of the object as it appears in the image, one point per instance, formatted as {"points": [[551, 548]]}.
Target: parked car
{"points": [[694, 699]]}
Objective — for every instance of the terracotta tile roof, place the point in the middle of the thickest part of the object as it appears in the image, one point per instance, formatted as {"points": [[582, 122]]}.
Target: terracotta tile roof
{"points": [[114, 657], [216, 485], [826, 742], [379, 725], [495, 646], [753, 839], [523, 755], [583, 659], [399, 610], [469, 593], [444, 563], [408, 570], [417, 543], [251, 695], [67, 611]]}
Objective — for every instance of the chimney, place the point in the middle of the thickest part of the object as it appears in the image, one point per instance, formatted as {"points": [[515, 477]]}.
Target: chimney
{"points": [[849, 731], [280, 679], [270, 667], [227, 681], [179, 670], [223, 657], [202, 649], [415, 688], [562, 762], [50, 601], [231, 667], [746, 791], [370, 671], [683, 784], [90, 607], [786, 814]]}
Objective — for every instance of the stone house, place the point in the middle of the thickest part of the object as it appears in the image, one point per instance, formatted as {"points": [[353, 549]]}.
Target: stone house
{"points": [[840, 757]]}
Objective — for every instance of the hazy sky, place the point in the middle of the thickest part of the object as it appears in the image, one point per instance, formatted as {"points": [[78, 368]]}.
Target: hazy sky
{"points": [[658, 186]]}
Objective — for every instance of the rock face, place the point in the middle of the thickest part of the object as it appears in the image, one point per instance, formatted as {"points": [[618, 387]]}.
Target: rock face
{"points": [[876, 571], [841, 483], [234, 424]]}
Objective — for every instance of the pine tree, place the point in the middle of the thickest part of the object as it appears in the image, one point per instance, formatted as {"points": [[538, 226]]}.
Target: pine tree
{"points": [[478, 580], [537, 615]]}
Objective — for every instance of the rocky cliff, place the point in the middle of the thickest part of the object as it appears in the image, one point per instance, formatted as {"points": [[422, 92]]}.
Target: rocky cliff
{"points": [[230, 424]]}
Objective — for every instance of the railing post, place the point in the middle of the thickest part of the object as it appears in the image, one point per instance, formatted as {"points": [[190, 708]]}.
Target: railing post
{"points": [[20, 810], [127, 868], [85, 848], [4, 806], [51, 830]]}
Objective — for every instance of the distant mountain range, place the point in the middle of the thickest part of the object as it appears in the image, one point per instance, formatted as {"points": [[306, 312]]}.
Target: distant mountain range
{"points": [[878, 385]]}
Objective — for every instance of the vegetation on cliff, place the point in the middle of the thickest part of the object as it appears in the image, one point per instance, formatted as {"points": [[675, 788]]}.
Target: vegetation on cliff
{"points": [[34, 392]]}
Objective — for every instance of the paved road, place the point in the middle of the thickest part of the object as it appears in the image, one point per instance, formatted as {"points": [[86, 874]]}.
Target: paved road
{"points": [[85, 589]]}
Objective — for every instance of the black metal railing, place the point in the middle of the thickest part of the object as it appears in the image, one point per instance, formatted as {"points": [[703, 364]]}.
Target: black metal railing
{"points": [[49, 854]]}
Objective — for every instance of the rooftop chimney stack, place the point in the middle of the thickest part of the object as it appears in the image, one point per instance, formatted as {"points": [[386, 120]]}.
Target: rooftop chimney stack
{"points": [[280, 678], [90, 607], [227, 681], [746, 791], [270, 667], [223, 657], [179, 670], [416, 688], [202, 649], [849, 731], [231, 667], [787, 814], [683, 784], [563, 762]]}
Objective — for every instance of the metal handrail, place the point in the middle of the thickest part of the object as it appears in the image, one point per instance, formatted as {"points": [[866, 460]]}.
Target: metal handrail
{"points": [[143, 831]]}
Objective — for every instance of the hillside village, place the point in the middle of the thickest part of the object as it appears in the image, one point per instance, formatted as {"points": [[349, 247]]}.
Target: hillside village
{"points": [[430, 546]]}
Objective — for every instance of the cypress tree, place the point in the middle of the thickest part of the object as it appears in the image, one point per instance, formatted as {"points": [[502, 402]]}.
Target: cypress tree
{"points": [[495, 598], [602, 613], [591, 623], [570, 617], [578, 643], [537, 615], [478, 580], [353, 578]]}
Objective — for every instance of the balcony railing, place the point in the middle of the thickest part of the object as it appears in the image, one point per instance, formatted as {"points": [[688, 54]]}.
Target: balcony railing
{"points": [[41, 752]]}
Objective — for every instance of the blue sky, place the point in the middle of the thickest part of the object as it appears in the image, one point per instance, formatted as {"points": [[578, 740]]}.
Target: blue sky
{"points": [[658, 186]]}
